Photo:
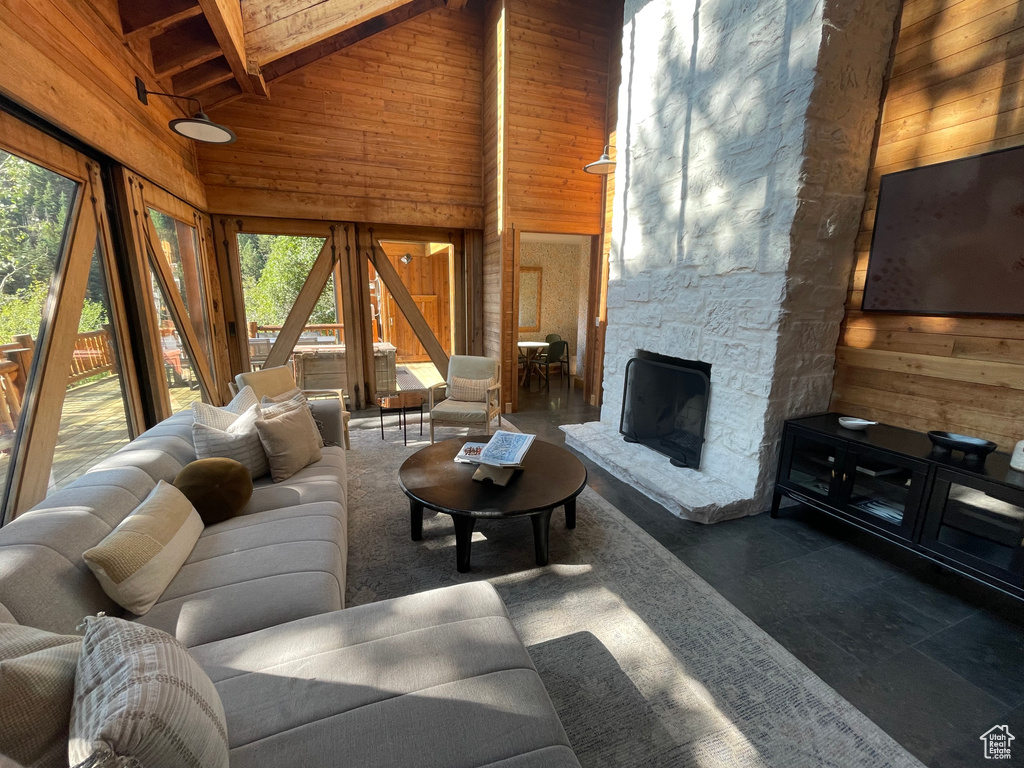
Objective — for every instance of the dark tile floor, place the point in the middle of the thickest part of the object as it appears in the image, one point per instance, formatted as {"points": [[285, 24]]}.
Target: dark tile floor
{"points": [[933, 658]]}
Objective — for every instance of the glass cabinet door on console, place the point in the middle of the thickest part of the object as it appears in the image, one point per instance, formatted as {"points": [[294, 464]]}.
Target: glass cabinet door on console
{"points": [[882, 489], [977, 523], [809, 465]]}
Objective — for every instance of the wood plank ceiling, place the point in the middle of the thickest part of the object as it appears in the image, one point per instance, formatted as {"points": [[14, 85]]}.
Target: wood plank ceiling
{"points": [[220, 50]]}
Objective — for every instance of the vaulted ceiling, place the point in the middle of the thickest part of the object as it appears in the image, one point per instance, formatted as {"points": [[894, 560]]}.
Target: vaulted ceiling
{"points": [[220, 50]]}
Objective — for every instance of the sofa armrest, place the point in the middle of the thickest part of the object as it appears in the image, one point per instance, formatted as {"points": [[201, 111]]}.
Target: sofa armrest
{"points": [[330, 414]]}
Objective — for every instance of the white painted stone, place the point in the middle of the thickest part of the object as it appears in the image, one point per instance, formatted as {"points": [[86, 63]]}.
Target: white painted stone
{"points": [[743, 141]]}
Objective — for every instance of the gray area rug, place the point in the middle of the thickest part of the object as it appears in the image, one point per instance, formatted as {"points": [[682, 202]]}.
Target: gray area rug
{"points": [[646, 664]]}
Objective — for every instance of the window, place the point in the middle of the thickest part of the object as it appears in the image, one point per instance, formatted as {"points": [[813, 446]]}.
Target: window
{"points": [[94, 420], [35, 204], [274, 268]]}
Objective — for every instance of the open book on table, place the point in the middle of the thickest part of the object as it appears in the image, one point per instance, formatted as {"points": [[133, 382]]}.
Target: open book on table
{"points": [[506, 449]]}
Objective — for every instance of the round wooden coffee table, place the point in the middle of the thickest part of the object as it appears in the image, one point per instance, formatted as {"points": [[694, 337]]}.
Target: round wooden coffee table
{"points": [[551, 477]]}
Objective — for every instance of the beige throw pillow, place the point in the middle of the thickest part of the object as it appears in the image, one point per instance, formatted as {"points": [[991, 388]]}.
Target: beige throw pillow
{"points": [[141, 700], [138, 559], [471, 390], [274, 407], [37, 685], [291, 441], [218, 434]]}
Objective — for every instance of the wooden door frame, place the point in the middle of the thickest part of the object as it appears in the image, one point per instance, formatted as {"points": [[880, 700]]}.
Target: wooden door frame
{"points": [[511, 355]]}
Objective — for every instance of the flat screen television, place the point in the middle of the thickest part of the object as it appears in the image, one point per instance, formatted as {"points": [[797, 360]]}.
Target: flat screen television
{"points": [[949, 239]]}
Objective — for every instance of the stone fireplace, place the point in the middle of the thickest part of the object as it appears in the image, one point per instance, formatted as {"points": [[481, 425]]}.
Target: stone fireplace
{"points": [[743, 143]]}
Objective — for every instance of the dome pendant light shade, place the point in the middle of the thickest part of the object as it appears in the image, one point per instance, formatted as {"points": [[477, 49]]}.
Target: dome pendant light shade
{"points": [[603, 166], [198, 128], [202, 128]]}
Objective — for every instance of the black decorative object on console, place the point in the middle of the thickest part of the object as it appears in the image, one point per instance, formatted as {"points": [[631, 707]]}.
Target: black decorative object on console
{"points": [[974, 448], [665, 405]]}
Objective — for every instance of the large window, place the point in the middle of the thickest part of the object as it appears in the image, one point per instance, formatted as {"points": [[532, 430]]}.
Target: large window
{"points": [[274, 269], [179, 245], [94, 420], [59, 351]]}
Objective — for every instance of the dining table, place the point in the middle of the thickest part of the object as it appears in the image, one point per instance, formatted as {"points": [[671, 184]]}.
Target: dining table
{"points": [[530, 350]]}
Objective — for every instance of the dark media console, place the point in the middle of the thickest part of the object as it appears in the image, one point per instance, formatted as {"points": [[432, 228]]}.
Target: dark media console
{"points": [[886, 480]]}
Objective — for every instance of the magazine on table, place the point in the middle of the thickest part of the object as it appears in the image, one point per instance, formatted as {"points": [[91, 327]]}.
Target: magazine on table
{"points": [[470, 453], [506, 449]]}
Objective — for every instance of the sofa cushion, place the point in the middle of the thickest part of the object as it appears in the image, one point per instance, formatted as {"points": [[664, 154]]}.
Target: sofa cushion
{"points": [[407, 682], [291, 442], [459, 411], [6, 617], [324, 480], [255, 571]]}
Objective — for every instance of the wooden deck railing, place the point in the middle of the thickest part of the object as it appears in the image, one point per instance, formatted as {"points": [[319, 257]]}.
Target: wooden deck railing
{"points": [[93, 356], [335, 329]]}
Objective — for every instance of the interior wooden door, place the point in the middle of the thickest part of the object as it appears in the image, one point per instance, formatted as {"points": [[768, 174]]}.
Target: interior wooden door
{"points": [[407, 346]]}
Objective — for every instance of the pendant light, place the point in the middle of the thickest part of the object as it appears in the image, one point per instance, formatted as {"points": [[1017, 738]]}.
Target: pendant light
{"points": [[199, 127], [602, 166]]}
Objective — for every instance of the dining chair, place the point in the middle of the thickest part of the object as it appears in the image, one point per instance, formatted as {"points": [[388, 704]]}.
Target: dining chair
{"points": [[552, 337], [557, 354]]}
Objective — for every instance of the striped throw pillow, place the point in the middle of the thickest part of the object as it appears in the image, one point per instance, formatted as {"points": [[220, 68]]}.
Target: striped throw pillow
{"points": [[37, 685], [141, 700], [471, 390], [138, 559], [238, 440]]}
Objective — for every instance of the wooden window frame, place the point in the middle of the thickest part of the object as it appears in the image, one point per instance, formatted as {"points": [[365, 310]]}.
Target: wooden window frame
{"points": [[87, 229]]}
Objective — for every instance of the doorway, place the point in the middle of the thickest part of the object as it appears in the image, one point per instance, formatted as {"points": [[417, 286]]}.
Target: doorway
{"points": [[553, 318], [427, 271]]}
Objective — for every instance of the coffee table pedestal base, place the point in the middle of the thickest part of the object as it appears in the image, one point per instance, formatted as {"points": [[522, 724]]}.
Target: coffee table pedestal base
{"points": [[465, 525]]}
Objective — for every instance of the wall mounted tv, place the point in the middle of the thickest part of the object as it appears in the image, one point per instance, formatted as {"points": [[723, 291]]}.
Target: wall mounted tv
{"points": [[949, 239]]}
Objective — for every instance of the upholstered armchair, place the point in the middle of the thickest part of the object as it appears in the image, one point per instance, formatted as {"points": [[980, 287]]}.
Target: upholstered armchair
{"points": [[455, 411], [274, 382]]}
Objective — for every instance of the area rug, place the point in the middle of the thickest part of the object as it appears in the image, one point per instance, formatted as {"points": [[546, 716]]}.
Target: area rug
{"points": [[646, 664]]}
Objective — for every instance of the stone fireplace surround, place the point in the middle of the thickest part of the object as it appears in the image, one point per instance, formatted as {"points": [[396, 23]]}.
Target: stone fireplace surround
{"points": [[744, 135]]}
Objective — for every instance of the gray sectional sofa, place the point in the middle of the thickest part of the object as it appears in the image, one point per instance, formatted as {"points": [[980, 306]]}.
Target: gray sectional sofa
{"points": [[435, 679]]}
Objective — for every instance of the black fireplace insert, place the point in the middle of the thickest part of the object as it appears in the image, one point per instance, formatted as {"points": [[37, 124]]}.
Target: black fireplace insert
{"points": [[665, 405]]}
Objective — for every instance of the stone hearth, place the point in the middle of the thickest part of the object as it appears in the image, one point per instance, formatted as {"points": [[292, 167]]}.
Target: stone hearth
{"points": [[743, 140]]}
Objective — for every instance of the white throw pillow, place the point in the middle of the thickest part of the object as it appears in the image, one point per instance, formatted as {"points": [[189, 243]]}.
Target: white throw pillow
{"points": [[222, 418], [237, 440], [141, 700], [139, 558]]}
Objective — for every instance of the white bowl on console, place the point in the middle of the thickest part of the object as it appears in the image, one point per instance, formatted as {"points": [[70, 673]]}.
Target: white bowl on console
{"points": [[852, 422]]}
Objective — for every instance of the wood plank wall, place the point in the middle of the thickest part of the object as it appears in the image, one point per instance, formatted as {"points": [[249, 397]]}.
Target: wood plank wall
{"points": [[65, 61], [387, 130], [549, 90], [956, 89]]}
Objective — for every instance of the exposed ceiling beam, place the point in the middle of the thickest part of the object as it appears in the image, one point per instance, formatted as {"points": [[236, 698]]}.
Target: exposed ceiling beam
{"points": [[273, 31], [143, 20], [256, 81], [457, 5], [305, 57], [225, 19], [225, 93]]}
